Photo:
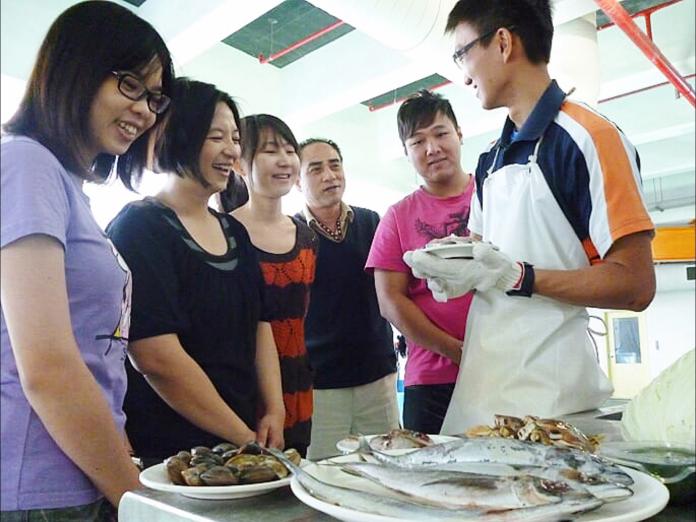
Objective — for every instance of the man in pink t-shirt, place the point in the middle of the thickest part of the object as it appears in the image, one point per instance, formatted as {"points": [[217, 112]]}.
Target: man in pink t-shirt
{"points": [[434, 331]]}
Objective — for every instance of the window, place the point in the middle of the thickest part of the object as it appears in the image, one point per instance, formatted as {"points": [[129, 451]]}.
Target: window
{"points": [[626, 340]]}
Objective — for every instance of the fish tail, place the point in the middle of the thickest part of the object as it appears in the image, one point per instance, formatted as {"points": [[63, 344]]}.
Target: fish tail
{"points": [[285, 460], [363, 446]]}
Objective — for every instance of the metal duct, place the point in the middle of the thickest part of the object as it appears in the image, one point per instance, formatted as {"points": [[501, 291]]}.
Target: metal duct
{"points": [[416, 27]]}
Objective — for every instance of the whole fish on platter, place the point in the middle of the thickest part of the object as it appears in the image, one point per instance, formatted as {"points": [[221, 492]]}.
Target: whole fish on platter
{"points": [[586, 466], [571, 503], [455, 489], [607, 491], [486, 484]]}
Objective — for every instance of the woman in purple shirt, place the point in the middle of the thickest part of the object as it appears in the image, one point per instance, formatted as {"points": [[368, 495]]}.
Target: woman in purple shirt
{"points": [[99, 85]]}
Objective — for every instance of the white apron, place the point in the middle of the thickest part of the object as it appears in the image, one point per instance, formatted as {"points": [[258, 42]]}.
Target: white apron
{"points": [[525, 356]]}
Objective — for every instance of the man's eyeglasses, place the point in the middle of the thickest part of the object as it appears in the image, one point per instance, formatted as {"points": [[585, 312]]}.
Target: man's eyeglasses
{"points": [[458, 57], [134, 89]]}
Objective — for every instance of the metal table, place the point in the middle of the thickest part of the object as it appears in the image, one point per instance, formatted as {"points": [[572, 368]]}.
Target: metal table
{"points": [[278, 506], [281, 505]]}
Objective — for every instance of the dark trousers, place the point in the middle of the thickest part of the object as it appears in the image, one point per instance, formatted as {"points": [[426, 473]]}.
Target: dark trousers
{"points": [[99, 511], [425, 406]]}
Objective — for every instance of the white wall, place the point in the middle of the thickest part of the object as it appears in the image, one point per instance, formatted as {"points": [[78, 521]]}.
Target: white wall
{"points": [[669, 320], [670, 317]]}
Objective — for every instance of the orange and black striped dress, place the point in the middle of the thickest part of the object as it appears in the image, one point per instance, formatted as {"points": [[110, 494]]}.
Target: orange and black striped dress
{"points": [[287, 279]]}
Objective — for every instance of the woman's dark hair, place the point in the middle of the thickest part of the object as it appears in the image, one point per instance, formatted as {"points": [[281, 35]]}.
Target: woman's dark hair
{"points": [[420, 110], [312, 141], [252, 128], [82, 48], [236, 193], [193, 106], [531, 20]]}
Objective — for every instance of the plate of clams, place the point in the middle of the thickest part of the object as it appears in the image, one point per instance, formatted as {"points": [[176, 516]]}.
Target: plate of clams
{"points": [[222, 472]]}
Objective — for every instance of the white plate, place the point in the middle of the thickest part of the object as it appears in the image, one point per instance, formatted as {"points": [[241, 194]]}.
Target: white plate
{"points": [[350, 443], [449, 250], [156, 477], [650, 496]]}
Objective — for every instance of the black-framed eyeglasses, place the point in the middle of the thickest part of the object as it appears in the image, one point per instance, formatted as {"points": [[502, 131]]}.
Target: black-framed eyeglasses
{"points": [[134, 89], [458, 57]]}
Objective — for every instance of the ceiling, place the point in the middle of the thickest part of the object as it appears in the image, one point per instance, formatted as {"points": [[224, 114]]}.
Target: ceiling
{"points": [[284, 25], [345, 83]]}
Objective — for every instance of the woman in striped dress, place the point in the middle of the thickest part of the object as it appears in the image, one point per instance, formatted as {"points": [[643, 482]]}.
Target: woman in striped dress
{"points": [[287, 253]]}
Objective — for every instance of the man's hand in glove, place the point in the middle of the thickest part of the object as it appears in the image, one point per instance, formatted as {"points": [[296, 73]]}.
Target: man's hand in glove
{"points": [[450, 278]]}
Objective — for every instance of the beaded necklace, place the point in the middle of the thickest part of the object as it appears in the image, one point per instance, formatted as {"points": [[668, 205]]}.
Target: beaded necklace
{"points": [[336, 235]]}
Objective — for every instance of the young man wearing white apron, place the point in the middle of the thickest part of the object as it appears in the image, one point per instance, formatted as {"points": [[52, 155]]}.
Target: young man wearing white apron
{"points": [[562, 222]]}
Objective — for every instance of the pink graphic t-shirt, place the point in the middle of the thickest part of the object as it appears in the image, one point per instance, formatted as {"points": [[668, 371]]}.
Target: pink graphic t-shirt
{"points": [[408, 225]]}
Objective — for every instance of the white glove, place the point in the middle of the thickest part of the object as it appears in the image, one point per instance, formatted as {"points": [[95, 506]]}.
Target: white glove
{"points": [[450, 278], [443, 290]]}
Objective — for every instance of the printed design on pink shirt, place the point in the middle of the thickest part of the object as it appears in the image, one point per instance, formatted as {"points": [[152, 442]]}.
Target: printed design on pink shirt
{"points": [[456, 223]]}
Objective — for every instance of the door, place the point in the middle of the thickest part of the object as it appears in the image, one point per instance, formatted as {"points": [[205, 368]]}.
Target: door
{"points": [[628, 354]]}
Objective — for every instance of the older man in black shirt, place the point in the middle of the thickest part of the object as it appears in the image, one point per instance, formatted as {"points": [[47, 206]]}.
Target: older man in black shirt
{"points": [[350, 345]]}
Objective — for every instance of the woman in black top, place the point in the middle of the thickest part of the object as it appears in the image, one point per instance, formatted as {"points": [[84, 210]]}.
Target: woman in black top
{"points": [[204, 365]]}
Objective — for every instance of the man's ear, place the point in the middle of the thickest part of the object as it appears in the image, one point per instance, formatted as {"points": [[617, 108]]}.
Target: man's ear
{"points": [[459, 134], [298, 182], [505, 43]]}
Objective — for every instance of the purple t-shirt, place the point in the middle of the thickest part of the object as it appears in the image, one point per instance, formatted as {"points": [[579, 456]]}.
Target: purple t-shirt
{"points": [[408, 225], [40, 197]]}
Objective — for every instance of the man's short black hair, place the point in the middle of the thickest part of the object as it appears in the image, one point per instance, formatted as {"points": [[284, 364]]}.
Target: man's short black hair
{"points": [[531, 20], [420, 110], [311, 141]]}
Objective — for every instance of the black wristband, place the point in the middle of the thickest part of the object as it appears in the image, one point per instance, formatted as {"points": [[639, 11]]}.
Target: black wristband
{"points": [[525, 287]]}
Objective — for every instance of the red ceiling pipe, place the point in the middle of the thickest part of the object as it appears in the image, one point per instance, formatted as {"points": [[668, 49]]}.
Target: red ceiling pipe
{"points": [[648, 25], [646, 13], [300, 43], [622, 19]]}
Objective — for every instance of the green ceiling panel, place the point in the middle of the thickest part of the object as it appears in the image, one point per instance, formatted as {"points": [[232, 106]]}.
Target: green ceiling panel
{"points": [[403, 92], [632, 6], [281, 27]]}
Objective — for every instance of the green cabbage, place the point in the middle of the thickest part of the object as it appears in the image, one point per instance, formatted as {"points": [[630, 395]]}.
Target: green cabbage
{"points": [[664, 410]]}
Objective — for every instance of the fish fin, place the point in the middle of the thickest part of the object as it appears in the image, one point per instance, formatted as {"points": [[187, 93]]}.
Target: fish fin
{"points": [[350, 471], [479, 481], [329, 462], [523, 468]]}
